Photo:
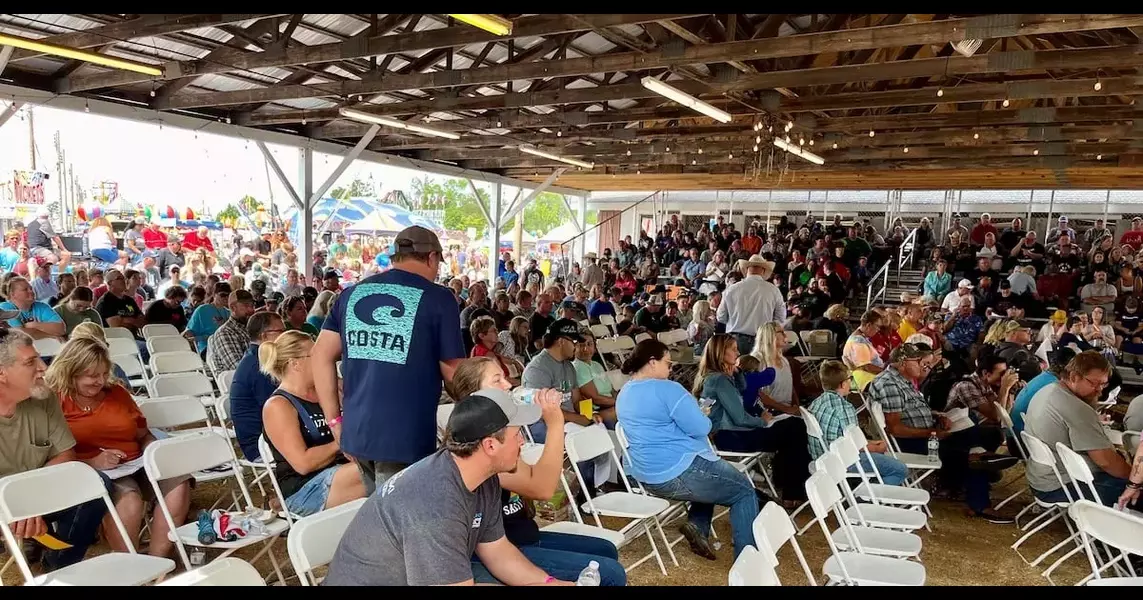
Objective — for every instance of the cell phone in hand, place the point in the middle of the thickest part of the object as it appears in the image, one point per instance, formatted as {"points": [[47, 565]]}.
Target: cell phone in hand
{"points": [[706, 403]]}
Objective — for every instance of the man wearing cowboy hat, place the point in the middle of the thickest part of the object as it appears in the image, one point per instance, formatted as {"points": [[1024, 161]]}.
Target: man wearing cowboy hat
{"points": [[751, 303], [592, 273]]}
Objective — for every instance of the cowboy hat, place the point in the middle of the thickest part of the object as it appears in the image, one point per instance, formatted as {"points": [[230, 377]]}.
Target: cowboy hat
{"points": [[756, 261], [591, 256]]}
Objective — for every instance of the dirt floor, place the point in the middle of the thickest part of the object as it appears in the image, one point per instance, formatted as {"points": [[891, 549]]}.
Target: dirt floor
{"points": [[959, 551]]}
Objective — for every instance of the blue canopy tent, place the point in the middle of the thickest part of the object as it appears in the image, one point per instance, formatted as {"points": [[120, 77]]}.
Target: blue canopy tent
{"points": [[343, 212], [390, 219]]}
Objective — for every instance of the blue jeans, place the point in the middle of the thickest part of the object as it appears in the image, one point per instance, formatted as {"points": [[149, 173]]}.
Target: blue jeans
{"points": [[1108, 486], [564, 556], [76, 526], [893, 471], [955, 471], [707, 483]]}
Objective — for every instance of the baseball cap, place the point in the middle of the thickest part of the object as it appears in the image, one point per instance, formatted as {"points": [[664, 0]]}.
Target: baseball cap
{"points": [[417, 239], [241, 297], [964, 283], [276, 297], [655, 300], [909, 352], [140, 220], [566, 328], [485, 412]]}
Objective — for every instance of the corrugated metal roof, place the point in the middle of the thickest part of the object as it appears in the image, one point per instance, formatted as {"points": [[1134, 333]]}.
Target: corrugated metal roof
{"points": [[1015, 197]]}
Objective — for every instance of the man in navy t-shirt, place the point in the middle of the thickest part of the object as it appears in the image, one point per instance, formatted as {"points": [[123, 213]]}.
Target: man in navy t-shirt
{"points": [[398, 336]]}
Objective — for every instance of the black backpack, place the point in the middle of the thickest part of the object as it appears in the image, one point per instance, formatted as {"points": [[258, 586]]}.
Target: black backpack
{"points": [[940, 381]]}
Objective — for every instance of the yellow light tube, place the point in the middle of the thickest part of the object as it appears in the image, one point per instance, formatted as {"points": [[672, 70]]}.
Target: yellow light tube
{"points": [[76, 54], [490, 23]]}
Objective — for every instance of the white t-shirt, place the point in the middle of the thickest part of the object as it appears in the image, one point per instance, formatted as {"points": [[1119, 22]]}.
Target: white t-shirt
{"points": [[952, 301], [100, 238]]}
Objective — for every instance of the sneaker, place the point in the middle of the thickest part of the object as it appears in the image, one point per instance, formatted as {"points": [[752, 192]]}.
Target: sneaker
{"points": [[992, 462], [699, 543]]}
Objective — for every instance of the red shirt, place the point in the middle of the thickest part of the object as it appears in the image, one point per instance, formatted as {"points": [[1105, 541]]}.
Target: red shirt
{"points": [[884, 344], [154, 239], [482, 350], [1132, 238], [192, 242]]}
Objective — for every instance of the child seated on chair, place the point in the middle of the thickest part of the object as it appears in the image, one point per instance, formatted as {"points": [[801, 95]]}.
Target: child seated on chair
{"points": [[757, 379], [835, 413]]}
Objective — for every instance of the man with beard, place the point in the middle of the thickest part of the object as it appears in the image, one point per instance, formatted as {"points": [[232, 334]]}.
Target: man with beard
{"points": [[1064, 412], [34, 434], [224, 349]]}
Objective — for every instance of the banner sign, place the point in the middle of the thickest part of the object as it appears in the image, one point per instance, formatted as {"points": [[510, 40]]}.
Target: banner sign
{"points": [[28, 187]]}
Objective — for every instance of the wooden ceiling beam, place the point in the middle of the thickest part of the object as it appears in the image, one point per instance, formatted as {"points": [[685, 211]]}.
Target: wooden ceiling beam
{"points": [[432, 39], [812, 43], [143, 26]]}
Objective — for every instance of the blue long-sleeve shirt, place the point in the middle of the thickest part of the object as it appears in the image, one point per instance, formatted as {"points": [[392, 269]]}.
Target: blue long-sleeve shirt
{"points": [[249, 391], [665, 429]]}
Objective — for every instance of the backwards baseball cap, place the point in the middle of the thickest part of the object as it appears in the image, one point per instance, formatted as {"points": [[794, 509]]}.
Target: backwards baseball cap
{"points": [[564, 328], [485, 412], [417, 239]]}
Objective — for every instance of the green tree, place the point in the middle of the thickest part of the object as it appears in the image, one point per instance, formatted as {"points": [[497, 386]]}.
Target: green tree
{"points": [[228, 213], [358, 188]]}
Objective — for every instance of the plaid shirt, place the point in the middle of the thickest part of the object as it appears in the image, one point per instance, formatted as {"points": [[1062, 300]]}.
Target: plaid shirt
{"points": [[898, 395], [970, 393], [834, 414], [225, 348]]}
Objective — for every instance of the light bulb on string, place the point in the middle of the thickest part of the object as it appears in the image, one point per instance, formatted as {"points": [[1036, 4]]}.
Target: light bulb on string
{"points": [[906, 150], [940, 92], [1098, 85], [787, 139], [976, 136], [1035, 153], [835, 145], [755, 148], [1099, 157], [694, 162], [668, 148], [872, 133], [559, 134], [811, 141], [758, 139], [1005, 103], [700, 150], [628, 153], [498, 124], [730, 156], [801, 141], [86, 108]]}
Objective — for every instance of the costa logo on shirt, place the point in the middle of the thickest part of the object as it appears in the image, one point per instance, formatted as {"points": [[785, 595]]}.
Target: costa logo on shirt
{"points": [[379, 319], [477, 519]]}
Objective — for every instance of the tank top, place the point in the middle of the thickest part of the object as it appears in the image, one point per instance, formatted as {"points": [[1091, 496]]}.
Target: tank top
{"points": [[519, 526], [315, 432], [99, 239]]}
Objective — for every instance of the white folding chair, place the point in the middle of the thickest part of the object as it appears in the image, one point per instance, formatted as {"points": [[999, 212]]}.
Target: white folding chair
{"points": [[751, 569], [167, 343], [186, 455], [600, 331], [1020, 452], [160, 330], [868, 515], [772, 529], [48, 347], [444, 411], [269, 463], [859, 538], [183, 384], [224, 380], [173, 415], [1114, 529], [915, 462], [125, 354], [642, 336], [119, 333], [1039, 453], [226, 572], [609, 322], [313, 540], [592, 442], [818, 344], [855, 567], [51, 489], [876, 492], [170, 362], [617, 379]]}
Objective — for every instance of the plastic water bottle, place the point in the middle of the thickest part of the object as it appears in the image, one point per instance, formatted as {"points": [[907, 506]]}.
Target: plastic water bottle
{"points": [[590, 575], [934, 448]]}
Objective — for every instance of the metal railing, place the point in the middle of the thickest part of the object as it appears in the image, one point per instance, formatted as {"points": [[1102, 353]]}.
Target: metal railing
{"points": [[882, 277], [906, 252]]}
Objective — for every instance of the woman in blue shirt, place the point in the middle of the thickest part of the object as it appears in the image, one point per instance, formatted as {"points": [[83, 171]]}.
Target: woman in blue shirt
{"points": [[938, 283], [669, 452]]}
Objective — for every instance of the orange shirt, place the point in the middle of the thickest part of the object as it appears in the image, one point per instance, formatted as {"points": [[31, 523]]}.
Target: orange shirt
{"points": [[114, 424]]}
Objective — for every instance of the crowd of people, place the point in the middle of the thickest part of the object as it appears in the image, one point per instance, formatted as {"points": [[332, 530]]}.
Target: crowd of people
{"points": [[345, 383]]}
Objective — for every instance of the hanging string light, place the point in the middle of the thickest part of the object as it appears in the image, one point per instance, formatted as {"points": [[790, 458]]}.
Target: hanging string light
{"points": [[1005, 103]]}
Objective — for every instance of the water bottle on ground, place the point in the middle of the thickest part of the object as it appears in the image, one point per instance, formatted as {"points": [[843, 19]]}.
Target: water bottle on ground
{"points": [[590, 575], [934, 448]]}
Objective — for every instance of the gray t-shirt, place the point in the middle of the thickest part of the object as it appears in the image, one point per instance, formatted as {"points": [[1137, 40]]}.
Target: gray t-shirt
{"points": [[1133, 420], [420, 528], [134, 236], [544, 371], [1057, 415]]}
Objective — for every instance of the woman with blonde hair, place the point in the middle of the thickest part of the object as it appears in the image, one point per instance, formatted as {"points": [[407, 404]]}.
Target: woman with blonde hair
{"points": [[312, 472], [769, 345], [515, 342], [321, 308], [109, 430], [736, 430], [101, 242], [702, 325]]}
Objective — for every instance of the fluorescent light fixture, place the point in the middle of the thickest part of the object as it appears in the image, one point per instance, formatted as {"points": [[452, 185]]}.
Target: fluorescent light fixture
{"points": [[550, 156], [687, 100], [76, 54], [491, 23], [357, 115], [798, 151]]}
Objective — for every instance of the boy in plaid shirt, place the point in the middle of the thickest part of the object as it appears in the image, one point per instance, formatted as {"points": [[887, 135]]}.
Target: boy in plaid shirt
{"points": [[834, 413]]}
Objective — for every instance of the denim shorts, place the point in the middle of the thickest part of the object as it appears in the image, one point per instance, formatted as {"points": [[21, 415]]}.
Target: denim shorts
{"points": [[310, 499], [105, 254]]}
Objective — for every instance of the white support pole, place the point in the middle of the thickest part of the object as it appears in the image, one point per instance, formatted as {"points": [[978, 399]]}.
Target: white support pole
{"points": [[9, 112], [1031, 198], [512, 205], [270, 160], [306, 212], [769, 211], [730, 216], [5, 54], [494, 235], [1106, 207], [343, 165], [480, 203], [1048, 226], [543, 187], [583, 224]]}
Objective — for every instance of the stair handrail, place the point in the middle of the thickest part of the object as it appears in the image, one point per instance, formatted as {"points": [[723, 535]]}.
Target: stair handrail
{"points": [[906, 251], [882, 277]]}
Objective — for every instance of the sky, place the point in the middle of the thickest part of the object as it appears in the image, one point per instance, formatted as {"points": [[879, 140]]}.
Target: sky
{"points": [[166, 166]]}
